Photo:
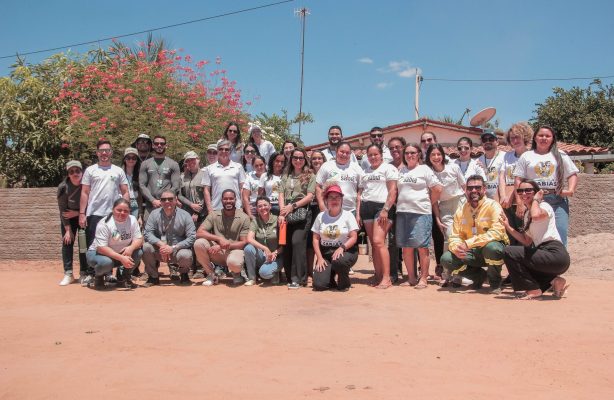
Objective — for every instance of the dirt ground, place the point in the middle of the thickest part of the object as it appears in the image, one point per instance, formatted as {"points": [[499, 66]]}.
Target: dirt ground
{"points": [[272, 343]]}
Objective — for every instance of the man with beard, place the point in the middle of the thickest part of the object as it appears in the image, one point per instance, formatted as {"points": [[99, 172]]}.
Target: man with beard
{"points": [[335, 137], [158, 174], [491, 162], [169, 236], [477, 241], [221, 239], [143, 145], [377, 137]]}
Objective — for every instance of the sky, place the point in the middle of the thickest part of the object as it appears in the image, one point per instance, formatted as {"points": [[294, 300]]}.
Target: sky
{"points": [[360, 56]]}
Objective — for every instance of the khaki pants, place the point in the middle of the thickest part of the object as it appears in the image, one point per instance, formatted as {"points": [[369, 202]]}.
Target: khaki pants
{"points": [[233, 259]]}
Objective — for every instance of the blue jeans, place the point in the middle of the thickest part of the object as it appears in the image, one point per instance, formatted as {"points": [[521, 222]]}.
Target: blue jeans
{"points": [[255, 258], [102, 265], [560, 205]]}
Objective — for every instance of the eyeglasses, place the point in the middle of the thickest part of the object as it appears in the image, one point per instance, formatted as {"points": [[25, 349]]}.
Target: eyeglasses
{"points": [[74, 171], [104, 150], [377, 135], [411, 153], [463, 148], [298, 158], [527, 190], [232, 131], [250, 151], [159, 143], [166, 199], [426, 140], [488, 139], [212, 152], [223, 149], [131, 158], [476, 188]]}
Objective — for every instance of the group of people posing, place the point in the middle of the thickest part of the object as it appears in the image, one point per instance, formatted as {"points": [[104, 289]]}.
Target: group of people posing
{"points": [[253, 212]]}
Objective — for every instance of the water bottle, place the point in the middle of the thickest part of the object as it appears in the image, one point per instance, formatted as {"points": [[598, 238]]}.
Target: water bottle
{"points": [[82, 241]]}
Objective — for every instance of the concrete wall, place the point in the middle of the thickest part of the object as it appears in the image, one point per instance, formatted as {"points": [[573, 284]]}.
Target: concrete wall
{"points": [[30, 226]]}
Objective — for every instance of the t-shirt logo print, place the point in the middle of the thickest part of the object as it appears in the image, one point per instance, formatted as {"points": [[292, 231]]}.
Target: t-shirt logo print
{"points": [[544, 169], [332, 232]]}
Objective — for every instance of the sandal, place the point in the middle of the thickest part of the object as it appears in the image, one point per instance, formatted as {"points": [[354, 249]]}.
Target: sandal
{"points": [[383, 286], [421, 285], [527, 296], [560, 293]]}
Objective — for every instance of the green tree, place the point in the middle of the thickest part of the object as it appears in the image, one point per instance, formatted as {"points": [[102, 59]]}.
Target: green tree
{"points": [[583, 116], [278, 128]]}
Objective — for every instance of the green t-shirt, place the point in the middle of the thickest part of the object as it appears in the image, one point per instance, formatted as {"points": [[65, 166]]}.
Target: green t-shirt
{"points": [[294, 190], [266, 232], [231, 228]]}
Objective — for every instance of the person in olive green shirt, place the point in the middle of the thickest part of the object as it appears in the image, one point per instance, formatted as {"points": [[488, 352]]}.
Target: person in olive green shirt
{"points": [[221, 239], [263, 249], [297, 188]]}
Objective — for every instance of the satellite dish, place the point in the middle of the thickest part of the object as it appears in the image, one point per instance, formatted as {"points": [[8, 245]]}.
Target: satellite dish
{"points": [[483, 116]]}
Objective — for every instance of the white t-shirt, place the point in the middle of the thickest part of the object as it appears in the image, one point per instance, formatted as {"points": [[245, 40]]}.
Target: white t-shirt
{"points": [[545, 229], [469, 168], [116, 235], [331, 155], [542, 168], [347, 176], [386, 156], [452, 179], [104, 183], [373, 182], [265, 149], [220, 178], [252, 183], [334, 231], [492, 172], [414, 188], [271, 187], [507, 167]]}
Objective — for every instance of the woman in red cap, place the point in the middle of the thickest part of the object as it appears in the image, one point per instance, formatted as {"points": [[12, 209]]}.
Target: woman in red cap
{"points": [[335, 232]]}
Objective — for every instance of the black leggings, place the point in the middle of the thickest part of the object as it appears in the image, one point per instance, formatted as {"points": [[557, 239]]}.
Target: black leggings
{"points": [[295, 252], [534, 268], [323, 280]]}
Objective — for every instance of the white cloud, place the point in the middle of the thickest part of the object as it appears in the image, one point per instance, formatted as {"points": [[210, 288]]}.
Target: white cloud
{"points": [[403, 68], [365, 60], [383, 85]]}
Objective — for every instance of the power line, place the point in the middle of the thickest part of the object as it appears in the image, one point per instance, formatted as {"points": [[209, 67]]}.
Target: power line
{"points": [[518, 80], [149, 30]]}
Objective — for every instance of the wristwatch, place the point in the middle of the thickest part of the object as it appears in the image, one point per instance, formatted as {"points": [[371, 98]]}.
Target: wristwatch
{"points": [[386, 208]]}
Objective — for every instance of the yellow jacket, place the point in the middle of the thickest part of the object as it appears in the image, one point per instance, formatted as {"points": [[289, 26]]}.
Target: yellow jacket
{"points": [[485, 220]]}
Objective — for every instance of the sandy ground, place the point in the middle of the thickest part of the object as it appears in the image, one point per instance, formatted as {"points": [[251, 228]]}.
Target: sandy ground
{"points": [[272, 343]]}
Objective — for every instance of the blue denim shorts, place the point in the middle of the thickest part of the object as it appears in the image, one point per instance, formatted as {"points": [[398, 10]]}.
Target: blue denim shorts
{"points": [[413, 230], [369, 210]]}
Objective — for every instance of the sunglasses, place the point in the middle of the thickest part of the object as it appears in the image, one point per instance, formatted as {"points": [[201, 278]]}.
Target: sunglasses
{"points": [[212, 152], [223, 150], [488, 139], [131, 158], [74, 171], [159, 143], [250, 151], [463, 148], [476, 188], [165, 199], [426, 140], [298, 158], [377, 135], [104, 150], [527, 190], [232, 131]]}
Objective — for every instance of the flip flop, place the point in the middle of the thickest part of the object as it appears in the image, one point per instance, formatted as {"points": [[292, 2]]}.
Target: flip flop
{"points": [[560, 293], [383, 286], [526, 296], [421, 285]]}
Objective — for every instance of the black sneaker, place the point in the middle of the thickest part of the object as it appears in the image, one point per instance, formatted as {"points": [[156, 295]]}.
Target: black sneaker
{"points": [[184, 279], [99, 283], [477, 284], [151, 282]]}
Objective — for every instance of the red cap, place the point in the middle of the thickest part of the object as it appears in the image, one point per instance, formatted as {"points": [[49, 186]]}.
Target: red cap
{"points": [[333, 189]]}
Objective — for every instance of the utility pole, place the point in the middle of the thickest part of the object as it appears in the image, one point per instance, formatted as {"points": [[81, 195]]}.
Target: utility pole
{"points": [[303, 13], [417, 98]]}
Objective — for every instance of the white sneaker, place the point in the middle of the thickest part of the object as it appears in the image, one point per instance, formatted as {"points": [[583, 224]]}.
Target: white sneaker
{"points": [[210, 280], [67, 280], [351, 271], [86, 280], [250, 282]]}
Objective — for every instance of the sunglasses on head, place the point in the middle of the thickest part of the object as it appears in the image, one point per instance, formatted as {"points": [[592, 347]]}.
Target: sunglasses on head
{"points": [[526, 190]]}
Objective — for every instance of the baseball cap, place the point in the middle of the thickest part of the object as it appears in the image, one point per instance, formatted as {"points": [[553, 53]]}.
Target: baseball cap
{"points": [[131, 150], [212, 147], [333, 189], [73, 163], [190, 154], [488, 133]]}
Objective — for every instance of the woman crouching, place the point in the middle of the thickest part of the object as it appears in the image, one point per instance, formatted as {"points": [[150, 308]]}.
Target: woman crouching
{"points": [[117, 243], [536, 265], [334, 237]]}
